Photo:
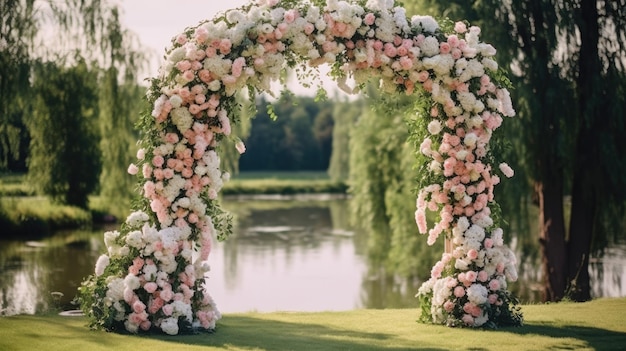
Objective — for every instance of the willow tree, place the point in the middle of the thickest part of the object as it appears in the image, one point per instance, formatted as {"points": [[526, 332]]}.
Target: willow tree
{"points": [[120, 105], [65, 34], [568, 63], [65, 159], [17, 32]]}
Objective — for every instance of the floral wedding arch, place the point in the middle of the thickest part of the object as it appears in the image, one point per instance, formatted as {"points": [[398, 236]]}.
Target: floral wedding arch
{"points": [[153, 274]]}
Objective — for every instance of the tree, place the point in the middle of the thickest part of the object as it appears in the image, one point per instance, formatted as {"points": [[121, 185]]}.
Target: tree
{"points": [[17, 32], [382, 184], [345, 114], [64, 158], [88, 37], [296, 140], [120, 102]]}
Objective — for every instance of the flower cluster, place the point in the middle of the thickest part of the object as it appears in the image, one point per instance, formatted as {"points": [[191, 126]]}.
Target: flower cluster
{"points": [[152, 275]]}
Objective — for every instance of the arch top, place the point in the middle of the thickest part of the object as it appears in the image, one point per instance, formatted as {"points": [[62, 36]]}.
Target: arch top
{"points": [[168, 238]]}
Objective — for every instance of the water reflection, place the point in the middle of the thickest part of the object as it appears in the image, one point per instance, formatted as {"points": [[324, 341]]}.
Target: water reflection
{"points": [[31, 271], [284, 255]]}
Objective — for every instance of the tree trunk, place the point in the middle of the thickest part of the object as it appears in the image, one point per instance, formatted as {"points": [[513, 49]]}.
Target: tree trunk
{"points": [[579, 244], [552, 239], [589, 88]]}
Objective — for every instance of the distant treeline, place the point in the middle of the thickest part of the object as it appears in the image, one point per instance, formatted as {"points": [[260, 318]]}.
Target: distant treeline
{"points": [[300, 138]]}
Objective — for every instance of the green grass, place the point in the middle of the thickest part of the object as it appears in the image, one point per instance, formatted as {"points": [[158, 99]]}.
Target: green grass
{"points": [[36, 216], [595, 325]]}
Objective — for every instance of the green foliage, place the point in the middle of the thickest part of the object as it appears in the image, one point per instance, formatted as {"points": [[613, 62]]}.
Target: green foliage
{"points": [[64, 158], [382, 185], [17, 22], [296, 138], [345, 114]]}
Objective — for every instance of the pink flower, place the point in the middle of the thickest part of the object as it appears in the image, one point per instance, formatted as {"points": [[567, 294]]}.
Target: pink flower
{"points": [[453, 40], [171, 138], [460, 27], [406, 63], [188, 75], [444, 48], [468, 319], [483, 276], [166, 294], [133, 169], [183, 65], [471, 276], [168, 309], [158, 161], [492, 298], [139, 306], [225, 46], [448, 306], [472, 254], [488, 243], [423, 76], [150, 287], [507, 170], [369, 19], [459, 291], [290, 15], [202, 34], [205, 76], [494, 285], [133, 270], [181, 39], [145, 325]]}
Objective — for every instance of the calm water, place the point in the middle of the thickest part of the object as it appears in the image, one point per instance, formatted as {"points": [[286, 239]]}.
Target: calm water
{"points": [[285, 255]]}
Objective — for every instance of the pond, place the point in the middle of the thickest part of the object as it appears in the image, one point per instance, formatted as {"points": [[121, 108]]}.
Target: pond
{"points": [[285, 255]]}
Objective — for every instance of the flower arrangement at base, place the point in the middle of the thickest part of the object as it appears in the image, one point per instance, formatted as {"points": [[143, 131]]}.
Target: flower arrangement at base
{"points": [[153, 274]]}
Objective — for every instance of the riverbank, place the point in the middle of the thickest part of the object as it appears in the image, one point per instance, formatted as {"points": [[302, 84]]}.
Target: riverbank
{"points": [[594, 325], [25, 215]]}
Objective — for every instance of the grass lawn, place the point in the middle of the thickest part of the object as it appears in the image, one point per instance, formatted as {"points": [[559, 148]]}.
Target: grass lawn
{"points": [[595, 325]]}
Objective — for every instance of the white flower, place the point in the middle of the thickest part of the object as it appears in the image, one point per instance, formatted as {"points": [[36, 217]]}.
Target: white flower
{"points": [[131, 327], [115, 289], [505, 105], [101, 264], [463, 223], [150, 272], [496, 236], [427, 23], [149, 233], [132, 282], [110, 237], [134, 239], [470, 139], [136, 219], [477, 294], [475, 232], [170, 326], [490, 64], [461, 155], [182, 118], [434, 127], [441, 64], [430, 46]]}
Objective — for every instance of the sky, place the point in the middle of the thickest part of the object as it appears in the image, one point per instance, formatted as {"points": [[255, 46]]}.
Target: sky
{"points": [[155, 22]]}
